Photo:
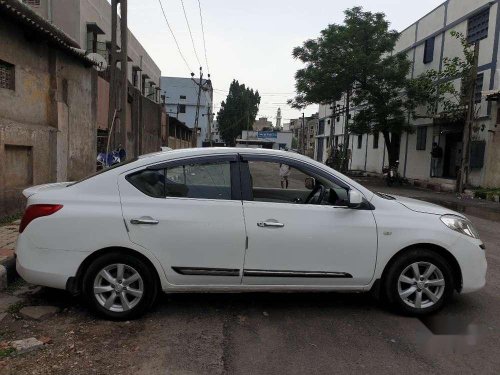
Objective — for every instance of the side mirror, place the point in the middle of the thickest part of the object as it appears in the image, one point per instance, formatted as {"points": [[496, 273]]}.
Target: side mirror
{"points": [[355, 199], [310, 183]]}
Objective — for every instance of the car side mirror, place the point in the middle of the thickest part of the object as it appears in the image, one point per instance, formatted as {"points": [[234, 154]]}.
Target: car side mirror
{"points": [[310, 183], [355, 199]]}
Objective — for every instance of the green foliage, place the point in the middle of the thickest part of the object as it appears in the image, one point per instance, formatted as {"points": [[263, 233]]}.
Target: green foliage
{"points": [[238, 112], [6, 352], [436, 92], [355, 57]]}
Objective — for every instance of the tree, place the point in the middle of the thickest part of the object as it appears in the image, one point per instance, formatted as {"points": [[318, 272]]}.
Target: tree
{"points": [[355, 58], [237, 112]]}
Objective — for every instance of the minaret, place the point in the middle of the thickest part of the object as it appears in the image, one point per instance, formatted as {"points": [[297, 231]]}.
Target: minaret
{"points": [[278, 119]]}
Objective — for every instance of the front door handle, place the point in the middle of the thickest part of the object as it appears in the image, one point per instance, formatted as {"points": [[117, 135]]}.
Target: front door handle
{"points": [[270, 224], [144, 221]]}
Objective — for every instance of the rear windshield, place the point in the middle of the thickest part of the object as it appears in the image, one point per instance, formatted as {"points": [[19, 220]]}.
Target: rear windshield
{"points": [[104, 171]]}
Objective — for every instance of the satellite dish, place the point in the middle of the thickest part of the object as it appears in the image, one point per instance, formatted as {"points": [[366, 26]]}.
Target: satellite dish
{"points": [[100, 63]]}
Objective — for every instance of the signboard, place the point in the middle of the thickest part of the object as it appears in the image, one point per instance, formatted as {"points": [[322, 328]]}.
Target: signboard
{"points": [[267, 134]]}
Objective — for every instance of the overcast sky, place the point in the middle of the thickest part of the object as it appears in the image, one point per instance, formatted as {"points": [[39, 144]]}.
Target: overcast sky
{"points": [[250, 41]]}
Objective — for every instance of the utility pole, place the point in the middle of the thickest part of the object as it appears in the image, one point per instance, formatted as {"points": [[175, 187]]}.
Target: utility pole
{"points": [[303, 133], [346, 134], [201, 86], [118, 84], [464, 167]]}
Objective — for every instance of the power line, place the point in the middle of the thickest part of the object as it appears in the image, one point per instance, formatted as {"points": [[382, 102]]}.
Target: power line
{"points": [[190, 33], [173, 36], [203, 33]]}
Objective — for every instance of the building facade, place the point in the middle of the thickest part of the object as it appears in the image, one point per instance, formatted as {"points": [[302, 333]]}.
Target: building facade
{"points": [[262, 124], [88, 23], [427, 43], [48, 106], [304, 131], [265, 139], [181, 98]]}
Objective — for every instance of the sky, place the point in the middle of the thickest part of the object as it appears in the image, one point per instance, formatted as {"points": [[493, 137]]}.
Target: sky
{"points": [[251, 41]]}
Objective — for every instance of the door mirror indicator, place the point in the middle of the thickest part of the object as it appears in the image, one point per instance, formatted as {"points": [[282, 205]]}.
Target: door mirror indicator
{"points": [[310, 183], [355, 199]]}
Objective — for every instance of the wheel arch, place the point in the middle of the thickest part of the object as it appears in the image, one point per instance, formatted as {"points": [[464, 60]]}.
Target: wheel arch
{"points": [[74, 284], [457, 272]]}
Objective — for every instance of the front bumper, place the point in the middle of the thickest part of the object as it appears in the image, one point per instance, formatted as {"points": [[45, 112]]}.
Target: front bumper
{"points": [[472, 260]]}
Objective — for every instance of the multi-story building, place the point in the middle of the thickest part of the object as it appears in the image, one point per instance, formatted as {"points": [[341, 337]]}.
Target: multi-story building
{"points": [[88, 23], [304, 131], [262, 124], [427, 43], [181, 99], [47, 106]]}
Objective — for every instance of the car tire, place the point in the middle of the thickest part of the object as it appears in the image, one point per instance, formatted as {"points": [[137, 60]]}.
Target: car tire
{"points": [[119, 286], [418, 282]]}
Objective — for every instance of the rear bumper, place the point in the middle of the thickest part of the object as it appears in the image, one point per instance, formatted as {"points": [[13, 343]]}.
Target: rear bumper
{"points": [[46, 267]]}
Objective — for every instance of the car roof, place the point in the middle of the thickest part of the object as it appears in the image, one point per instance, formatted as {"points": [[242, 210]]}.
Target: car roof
{"points": [[190, 152]]}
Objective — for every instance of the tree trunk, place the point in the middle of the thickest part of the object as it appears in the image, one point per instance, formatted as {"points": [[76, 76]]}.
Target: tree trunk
{"points": [[392, 151]]}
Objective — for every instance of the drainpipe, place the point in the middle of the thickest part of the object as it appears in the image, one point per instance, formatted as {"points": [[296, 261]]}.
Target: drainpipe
{"points": [[49, 10]]}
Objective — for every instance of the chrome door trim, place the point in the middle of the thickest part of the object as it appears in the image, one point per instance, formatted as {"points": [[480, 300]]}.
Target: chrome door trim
{"points": [[302, 274], [200, 271]]}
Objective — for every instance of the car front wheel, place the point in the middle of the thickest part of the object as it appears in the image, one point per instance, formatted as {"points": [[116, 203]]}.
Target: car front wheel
{"points": [[119, 286], [419, 282]]}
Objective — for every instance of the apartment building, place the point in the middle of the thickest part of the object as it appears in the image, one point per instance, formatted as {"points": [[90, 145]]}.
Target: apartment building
{"points": [[427, 42], [88, 23], [181, 99]]}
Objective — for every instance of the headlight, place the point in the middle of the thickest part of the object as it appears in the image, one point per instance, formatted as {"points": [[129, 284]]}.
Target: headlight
{"points": [[460, 225]]}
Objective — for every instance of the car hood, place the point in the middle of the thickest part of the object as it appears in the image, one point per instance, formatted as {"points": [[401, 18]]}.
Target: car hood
{"points": [[424, 207]]}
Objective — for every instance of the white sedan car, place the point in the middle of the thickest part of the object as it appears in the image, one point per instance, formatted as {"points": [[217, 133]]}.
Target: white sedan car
{"points": [[238, 220]]}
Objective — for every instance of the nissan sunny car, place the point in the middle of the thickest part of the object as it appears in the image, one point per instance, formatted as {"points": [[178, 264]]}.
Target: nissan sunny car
{"points": [[229, 220]]}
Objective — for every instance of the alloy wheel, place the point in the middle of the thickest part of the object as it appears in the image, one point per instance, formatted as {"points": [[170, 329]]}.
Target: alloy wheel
{"points": [[118, 287], [421, 285]]}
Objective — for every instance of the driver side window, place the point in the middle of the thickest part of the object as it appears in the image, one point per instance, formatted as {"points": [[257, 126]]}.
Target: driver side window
{"points": [[281, 183]]}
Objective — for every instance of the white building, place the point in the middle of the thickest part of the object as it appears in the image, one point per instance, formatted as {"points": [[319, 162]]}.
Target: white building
{"points": [[427, 43], [88, 22], [181, 98], [265, 139]]}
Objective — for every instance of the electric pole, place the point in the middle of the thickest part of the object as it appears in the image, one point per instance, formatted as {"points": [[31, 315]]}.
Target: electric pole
{"points": [[118, 83], [303, 133], [469, 122], [201, 86]]}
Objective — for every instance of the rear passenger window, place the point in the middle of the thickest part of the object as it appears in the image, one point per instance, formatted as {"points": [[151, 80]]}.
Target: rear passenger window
{"points": [[208, 181], [203, 181], [151, 183]]}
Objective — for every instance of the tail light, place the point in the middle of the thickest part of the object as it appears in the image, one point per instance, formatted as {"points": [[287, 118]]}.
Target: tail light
{"points": [[37, 210]]}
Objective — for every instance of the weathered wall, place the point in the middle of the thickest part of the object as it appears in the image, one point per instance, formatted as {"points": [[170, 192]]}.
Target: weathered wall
{"points": [[48, 122]]}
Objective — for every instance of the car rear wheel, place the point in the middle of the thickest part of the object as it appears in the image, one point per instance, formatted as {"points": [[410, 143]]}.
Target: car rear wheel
{"points": [[119, 286], [419, 282]]}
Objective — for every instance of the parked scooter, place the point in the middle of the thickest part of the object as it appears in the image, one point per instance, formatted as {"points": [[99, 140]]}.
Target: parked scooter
{"points": [[392, 176]]}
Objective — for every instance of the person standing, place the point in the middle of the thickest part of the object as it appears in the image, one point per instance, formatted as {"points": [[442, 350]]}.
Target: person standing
{"points": [[437, 155], [284, 174]]}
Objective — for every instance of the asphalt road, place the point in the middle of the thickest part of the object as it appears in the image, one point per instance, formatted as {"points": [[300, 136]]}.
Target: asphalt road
{"points": [[318, 333]]}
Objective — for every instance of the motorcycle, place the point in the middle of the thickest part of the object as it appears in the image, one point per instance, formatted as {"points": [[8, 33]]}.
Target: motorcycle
{"points": [[392, 176]]}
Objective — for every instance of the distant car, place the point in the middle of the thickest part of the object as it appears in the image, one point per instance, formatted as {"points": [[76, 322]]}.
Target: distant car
{"points": [[226, 220]]}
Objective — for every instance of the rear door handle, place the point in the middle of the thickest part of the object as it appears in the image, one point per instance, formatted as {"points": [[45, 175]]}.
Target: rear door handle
{"points": [[270, 224], [144, 221]]}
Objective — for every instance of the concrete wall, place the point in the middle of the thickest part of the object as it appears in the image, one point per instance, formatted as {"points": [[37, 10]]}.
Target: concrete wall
{"points": [[47, 124]]}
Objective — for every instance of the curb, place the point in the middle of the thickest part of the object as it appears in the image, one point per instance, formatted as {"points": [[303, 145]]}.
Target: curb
{"points": [[8, 272]]}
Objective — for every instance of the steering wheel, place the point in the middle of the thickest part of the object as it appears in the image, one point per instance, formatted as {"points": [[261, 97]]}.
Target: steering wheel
{"points": [[317, 195]]}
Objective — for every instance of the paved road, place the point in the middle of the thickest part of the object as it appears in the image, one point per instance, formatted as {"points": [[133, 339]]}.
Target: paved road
{"points": [[321, 333]]}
